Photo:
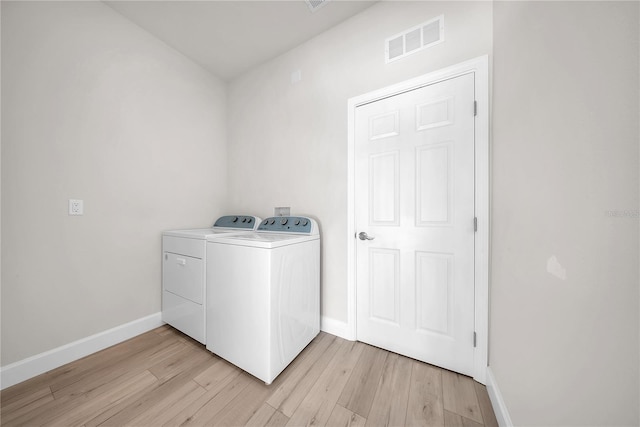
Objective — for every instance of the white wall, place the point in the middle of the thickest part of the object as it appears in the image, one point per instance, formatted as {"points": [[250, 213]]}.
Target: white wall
{"points": [[564, 350], [288, 142], [95, 108]]}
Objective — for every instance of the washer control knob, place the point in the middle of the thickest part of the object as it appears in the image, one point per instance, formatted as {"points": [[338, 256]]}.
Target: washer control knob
{"points": [[265, 222], [297, 222], [235, 219], [249, 220], [273, 221], [283, 221], [244, 220], [305, 222]]}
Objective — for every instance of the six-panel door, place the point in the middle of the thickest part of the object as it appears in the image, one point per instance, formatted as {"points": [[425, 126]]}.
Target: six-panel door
{"points": [[414, 189]]}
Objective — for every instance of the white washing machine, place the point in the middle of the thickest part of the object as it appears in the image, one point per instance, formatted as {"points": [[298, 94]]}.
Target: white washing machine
{"points": [[263, 294], [184, 272]]}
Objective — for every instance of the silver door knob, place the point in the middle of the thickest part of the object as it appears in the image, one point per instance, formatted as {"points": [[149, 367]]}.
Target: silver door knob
{"points": [[364, 236]]}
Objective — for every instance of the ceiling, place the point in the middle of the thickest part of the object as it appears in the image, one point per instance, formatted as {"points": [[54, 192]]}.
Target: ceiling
{"points": [[230, 37]]}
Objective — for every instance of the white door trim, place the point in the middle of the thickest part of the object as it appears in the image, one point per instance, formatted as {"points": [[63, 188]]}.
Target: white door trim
{"points": [[479, 66]]}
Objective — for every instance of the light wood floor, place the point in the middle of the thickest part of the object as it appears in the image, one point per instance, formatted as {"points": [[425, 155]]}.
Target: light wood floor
{"points": [[165, 378]]}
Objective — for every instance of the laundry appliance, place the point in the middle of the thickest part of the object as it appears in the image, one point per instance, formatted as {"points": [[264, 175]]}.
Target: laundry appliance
{"points": [[184, 272], [263, 294]]}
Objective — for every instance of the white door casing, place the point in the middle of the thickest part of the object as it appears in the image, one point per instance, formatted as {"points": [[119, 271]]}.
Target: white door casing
{"points": [[418, 175]]}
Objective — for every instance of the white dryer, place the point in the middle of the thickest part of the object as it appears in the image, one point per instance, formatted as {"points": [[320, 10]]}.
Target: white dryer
{"points": [[184, 272], [263, 294]]}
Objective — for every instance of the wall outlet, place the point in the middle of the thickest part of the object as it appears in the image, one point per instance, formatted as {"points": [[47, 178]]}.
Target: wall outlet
{"points": [[282, 211], [76, 207]]}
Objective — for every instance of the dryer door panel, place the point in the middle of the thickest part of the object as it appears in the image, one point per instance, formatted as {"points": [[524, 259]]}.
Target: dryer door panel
{"points": [[184, 315], [184, 276]]}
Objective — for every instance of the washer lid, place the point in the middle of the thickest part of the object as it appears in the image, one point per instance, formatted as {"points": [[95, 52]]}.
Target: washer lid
{"points": [[263, 240]]}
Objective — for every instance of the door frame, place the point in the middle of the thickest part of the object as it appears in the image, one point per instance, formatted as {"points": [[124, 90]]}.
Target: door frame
{"points": [[480, 67]]}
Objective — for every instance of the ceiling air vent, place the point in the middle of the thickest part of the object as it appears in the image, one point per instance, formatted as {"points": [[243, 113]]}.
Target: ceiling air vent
{"points": [[415, 39], [315, 4]]}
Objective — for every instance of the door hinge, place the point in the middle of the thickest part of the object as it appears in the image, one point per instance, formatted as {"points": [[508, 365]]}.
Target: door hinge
{"points": [[475, 224], [475, 339], [475, 108]]}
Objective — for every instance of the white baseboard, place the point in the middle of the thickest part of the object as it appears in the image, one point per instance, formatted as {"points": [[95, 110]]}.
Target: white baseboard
{"points": [[40, 363], [335, 327], [499, 407]]}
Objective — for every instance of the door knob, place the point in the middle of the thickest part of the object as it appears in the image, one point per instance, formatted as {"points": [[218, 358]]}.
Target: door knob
{"points": [[364, 236]]}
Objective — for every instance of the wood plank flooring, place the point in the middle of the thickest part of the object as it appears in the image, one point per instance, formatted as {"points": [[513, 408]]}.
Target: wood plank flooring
{"points": [[163, 378]]}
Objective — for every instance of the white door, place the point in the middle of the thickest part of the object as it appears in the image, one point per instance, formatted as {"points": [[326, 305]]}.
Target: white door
{"points": [[414, 198]]}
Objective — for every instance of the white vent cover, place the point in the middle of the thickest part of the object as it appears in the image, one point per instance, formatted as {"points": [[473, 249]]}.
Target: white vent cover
{"points": [[414, 39], [315, 4]]}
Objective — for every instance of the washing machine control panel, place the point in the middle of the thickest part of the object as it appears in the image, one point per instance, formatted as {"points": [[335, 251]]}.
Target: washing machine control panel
{"points": [[287, 224], [237, 221]]}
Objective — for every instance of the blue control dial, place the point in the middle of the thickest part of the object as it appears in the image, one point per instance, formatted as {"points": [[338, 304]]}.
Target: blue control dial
{"points": [[286, 224], [235, 221]]}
